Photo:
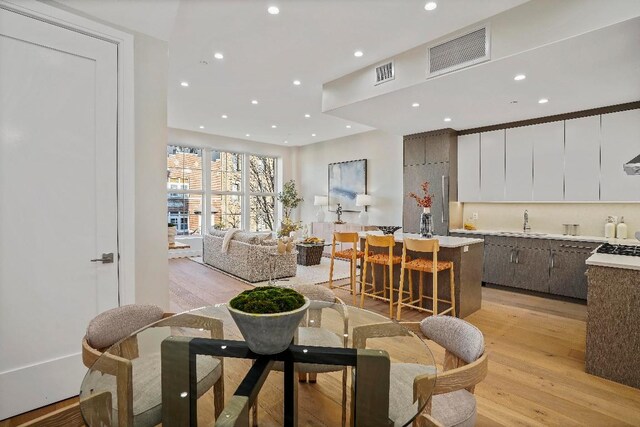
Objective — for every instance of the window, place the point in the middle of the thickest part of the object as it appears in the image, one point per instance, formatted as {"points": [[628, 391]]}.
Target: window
{"points": [[262, 193], [184, 189], [240, 190], [226, 190]]}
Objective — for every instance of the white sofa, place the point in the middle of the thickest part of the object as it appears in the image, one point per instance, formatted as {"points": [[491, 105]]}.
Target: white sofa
{"points": [[247, 256]]}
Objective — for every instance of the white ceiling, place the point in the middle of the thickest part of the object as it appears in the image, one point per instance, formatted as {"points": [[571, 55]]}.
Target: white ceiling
{"points": [[591, 70], [310, 40]]}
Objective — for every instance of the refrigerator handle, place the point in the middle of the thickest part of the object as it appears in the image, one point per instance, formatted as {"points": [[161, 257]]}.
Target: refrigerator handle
{"points": [[443, 205]]}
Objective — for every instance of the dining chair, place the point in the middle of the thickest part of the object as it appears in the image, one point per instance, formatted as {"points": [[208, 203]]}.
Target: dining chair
{"points": [[387, 261], [352, 254], [450, 402], [111, 331], [424, 265], [311, 333]]}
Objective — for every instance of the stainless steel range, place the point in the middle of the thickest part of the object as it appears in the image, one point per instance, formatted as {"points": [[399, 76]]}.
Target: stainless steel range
{"points": [[629, 250]]}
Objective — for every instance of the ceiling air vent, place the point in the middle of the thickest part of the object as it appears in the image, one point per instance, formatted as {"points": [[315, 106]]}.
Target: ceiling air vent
{"points": [[459, 52], [384, 73]]}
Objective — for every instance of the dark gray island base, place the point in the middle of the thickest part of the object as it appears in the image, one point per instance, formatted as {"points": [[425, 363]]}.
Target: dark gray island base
{"points": [[613, 324], [467, 255]]}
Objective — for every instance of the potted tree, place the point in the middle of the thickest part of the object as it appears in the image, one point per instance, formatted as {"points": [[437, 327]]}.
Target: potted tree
{"points": [[171, 232], [290, 200], [268, 317]]}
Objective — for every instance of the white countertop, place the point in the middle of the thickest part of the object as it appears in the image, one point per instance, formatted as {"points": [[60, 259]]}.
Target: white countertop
{"points": [[614, 261], [593, 239], [445, 241]]}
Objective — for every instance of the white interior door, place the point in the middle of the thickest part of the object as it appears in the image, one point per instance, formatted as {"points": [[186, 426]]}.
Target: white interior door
{"points": [[58, 204]]}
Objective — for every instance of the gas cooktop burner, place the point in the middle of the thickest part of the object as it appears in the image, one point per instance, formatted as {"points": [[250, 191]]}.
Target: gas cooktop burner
{"points": [[628, 250]]}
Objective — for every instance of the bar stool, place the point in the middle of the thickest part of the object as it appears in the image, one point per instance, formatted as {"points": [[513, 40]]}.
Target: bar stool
{"points": [[424, 265], [352, 254], [386, 260]]}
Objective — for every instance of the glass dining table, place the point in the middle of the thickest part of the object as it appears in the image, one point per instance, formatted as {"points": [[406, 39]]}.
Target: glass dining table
{"points": [[164, 374]]}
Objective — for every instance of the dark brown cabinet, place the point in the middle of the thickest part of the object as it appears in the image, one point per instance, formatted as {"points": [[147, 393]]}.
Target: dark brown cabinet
{"points": [[431, 157]]}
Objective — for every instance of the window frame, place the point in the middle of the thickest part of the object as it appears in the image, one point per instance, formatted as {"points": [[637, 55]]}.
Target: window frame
{"points": [[244, 194], [182, 192]]}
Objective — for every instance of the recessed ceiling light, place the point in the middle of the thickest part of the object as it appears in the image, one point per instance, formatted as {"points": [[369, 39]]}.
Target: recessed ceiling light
{"points": [[430, 5], [273, 126], [313, 134], [543, 101], [447, 119], [218, 55], [201, 127], [286, 142], [348, 126], [254, 102], [415, 105], [297, 82], [273, 10], [519, 77], [246, 134], [307, 116], [224, 116], [184, 84], [358, 53]]}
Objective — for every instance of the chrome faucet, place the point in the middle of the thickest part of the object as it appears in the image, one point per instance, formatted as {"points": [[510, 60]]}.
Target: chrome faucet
{"points": [[526, 226]]}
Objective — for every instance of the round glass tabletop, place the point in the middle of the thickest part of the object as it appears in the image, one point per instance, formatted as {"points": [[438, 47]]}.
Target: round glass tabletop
{"points": [[196, 364]]}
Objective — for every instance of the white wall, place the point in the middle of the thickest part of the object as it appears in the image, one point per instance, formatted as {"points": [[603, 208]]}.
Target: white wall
{"points": [[152, 270], [383, 152]]}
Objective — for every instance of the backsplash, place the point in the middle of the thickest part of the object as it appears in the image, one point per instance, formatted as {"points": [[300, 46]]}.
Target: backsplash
{"points": [[549, 217]]}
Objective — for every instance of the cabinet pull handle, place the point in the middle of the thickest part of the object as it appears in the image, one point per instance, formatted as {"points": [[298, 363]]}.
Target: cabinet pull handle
{"points": [[553, 260], [518, 256], [511, 257], [443, 199]]}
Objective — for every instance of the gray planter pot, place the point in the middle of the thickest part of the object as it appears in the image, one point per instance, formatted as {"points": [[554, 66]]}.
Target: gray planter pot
{"points": [[269, 333]]}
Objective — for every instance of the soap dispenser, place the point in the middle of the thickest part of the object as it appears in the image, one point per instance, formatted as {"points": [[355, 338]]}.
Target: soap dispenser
{"points": [[610, 228], [621, 230]]}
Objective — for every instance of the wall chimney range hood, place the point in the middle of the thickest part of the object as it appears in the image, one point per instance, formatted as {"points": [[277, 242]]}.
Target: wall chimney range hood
{"points": [[632, 167]]}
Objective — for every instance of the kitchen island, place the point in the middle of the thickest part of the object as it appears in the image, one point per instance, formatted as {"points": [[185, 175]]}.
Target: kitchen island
{"points": [[613, 318], [467, 257]]}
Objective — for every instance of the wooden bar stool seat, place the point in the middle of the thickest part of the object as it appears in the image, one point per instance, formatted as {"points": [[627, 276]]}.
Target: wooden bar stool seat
{"points": [[387, 260], [424, 265], [352, 254]]}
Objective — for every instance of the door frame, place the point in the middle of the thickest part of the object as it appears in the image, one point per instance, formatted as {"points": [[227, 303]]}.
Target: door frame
{"points": [[125, 131]]}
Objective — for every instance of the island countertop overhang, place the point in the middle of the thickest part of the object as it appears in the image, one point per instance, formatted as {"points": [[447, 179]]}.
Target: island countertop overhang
{"points": [[445, 241]]}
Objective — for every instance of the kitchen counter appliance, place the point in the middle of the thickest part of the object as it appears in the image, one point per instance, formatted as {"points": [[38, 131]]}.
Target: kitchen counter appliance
{"points": [[628, 250]]}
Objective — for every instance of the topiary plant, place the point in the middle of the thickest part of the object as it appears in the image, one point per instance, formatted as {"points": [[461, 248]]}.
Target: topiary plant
{"points": [[170, 224], [267, 300]]}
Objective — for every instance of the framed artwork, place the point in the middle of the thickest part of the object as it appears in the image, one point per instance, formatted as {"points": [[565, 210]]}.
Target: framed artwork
{"points": [[346, 180]]}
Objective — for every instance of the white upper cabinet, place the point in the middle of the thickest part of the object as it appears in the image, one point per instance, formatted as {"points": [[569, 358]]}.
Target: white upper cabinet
{"points": [[492, 166], [620, 143], [548, 161], [519, 163], [582, 159], [469, 168]]}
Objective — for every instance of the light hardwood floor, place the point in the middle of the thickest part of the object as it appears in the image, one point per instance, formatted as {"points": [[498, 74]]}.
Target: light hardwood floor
{"points": [[536, 355]]}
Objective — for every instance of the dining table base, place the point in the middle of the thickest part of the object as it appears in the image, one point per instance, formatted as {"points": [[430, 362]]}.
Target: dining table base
{"points": [[179, 394]]}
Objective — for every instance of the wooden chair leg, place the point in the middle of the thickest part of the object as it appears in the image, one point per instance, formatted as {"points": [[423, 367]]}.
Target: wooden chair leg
{"points": [[401, 287], [313, 377], [420, 287], [453, 293], [353, 279], [363, 275], [302, 377], [344, 397], [435, 291], [390, 291], [331, 273]]}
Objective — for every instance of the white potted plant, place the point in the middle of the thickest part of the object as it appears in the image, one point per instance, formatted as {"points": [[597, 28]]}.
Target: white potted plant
{"points": [[268, 317]]}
